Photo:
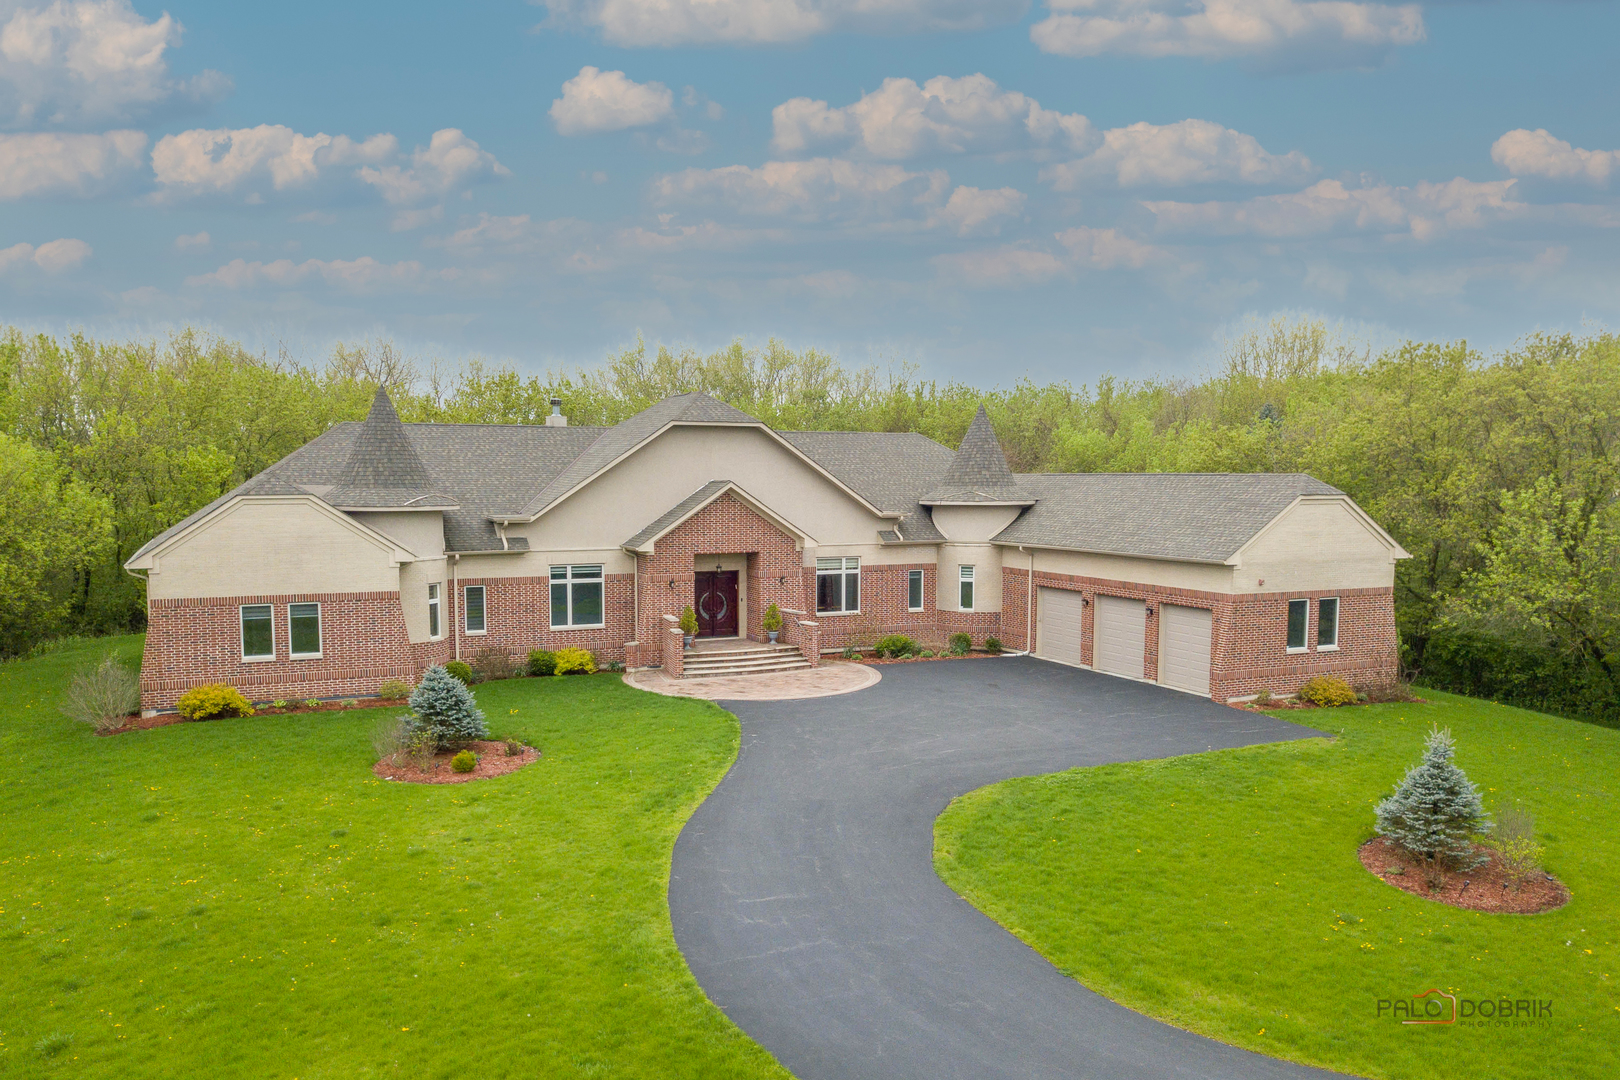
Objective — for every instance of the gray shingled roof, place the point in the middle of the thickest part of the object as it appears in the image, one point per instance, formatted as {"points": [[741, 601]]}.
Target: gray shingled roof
{"points": [[889, 469], [1199, 517], [978, 472], [623, 437], [677, 513]]}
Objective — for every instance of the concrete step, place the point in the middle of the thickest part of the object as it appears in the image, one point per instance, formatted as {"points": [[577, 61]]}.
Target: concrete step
{"points": [[709, 667]]}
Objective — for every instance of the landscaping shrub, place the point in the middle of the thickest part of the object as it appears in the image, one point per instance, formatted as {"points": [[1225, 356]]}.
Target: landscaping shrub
{"points": [[513, 747], [960, 644], [390, 736], [103, 696], [461, 671], [493, 663], [1514, 839], [1328, 691], [466, 761], [894, 645], [772, 619], [1263, 698], [689, 624], [542, 662], [312, 703], [393, 689], [420, 745], [445, 707], [927, 653], [992, 646], [1385, 691], [211, 701], [1435, 812], [571, 661]]}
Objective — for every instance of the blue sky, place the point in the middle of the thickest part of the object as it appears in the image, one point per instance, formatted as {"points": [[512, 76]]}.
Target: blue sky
{"points": [[989, 190]]}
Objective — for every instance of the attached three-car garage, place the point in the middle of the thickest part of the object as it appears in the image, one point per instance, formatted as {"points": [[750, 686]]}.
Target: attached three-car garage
{"points": [[1120, 634]]}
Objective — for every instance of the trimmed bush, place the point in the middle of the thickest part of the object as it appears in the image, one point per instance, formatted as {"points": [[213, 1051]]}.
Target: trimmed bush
{"points": [[393, 689], [1435, 811], [542, 662], [993, 646], [772, 619], [1328, 691], [689, 623], [212, 701], [447, 709], [103, 696], [461, 671], [493, 663], [572, 661], [894, 645], [466, 761], [961, 644]]}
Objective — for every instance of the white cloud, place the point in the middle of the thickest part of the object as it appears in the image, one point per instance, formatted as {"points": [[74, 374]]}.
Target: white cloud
{"points": [[89, 61], [1423, 210], [1282, 33], [814, 190], [1537, 153], [595, 101], [449, 161], [944, 115], [970, 210], [193, 242], [1107, 249], [53, 257], [222, 160], [364, 274], [706, 236], [1170, 155], [44, 164], [752, 22], [1000, 267]]}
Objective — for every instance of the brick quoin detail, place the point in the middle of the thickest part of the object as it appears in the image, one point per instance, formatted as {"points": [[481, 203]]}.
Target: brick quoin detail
{"points": [[1249, 631]]}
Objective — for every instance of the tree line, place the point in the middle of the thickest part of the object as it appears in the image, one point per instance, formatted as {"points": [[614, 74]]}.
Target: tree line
{"points": [[1498, 473]]}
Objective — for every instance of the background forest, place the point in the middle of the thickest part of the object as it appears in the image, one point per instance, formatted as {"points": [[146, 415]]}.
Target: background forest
{"points": [[1498, 473]]}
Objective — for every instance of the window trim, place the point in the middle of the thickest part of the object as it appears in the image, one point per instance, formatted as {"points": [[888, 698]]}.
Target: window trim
{"points": [[435, 603], [922, 591], [241, 629], [1334, 645], [843, 571], [483, 610], [567, 582], [965, 580], [1305, 630], [320, 632]]}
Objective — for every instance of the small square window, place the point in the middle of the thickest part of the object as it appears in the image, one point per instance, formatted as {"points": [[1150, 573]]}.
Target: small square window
{"points": [[1327, 623], [258, 632], [914, 590], [1299, 613], [304, 628], [966, 573], [473, 604]]}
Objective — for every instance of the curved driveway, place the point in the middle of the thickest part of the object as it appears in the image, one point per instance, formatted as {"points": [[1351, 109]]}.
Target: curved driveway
{"points": [[804, 896]]}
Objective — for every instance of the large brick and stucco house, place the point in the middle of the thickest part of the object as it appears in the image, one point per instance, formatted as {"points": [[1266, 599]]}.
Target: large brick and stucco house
{"points": [[381, 547]]}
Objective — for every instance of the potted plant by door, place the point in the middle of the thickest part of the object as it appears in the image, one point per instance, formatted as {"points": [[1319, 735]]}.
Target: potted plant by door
{"points": [[689, 625], [772, 622]]}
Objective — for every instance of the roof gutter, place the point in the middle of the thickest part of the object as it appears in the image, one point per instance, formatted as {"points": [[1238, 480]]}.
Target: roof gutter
{"points": [[1115, 554]]}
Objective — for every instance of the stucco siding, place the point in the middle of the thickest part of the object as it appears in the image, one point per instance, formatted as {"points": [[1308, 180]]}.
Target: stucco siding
{"points": [[1175, 575], [973, 524], [1316, 545], [419, 531], [273, 547], [413, 597], [986, 562]]}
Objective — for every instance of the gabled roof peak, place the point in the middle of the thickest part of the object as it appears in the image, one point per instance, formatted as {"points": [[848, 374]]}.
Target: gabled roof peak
{"points": [[978, 472]]}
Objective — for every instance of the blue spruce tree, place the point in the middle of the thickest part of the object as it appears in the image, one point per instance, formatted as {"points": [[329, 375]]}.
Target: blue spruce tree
{"points": [[444, 706], [1435, 812]]}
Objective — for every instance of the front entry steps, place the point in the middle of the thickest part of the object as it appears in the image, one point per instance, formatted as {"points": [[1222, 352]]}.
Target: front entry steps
{"points": [[742, 660]]}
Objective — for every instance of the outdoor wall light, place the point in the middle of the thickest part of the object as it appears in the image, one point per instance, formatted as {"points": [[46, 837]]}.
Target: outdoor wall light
{"points": [[781, 581], [671, 584]]}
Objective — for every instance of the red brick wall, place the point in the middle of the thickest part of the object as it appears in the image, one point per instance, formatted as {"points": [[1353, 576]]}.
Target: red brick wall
{"points": [[1249, 631], [885, 594], [517, 618]]}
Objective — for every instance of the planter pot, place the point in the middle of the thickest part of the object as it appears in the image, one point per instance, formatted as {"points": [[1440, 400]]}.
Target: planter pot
{"points": [[689, 639], [772, 635]]}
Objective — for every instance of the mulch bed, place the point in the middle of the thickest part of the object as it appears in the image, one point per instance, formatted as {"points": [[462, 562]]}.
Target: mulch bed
{"points": [[492, 761], [867, 659], [1278, 704], [1484, 888], [146, 723]]}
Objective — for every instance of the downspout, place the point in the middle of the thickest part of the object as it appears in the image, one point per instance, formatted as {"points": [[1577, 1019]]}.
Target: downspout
{"points": [[455, 591], [635, 596], [1029, 605]]}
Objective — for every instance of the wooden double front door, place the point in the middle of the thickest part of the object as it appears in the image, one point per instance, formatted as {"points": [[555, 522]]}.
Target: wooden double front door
{"points": [[716, 603]]}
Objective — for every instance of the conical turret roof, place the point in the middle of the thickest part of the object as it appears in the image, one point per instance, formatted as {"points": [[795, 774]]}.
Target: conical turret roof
{"points": [[383, 468], [978, 472]]}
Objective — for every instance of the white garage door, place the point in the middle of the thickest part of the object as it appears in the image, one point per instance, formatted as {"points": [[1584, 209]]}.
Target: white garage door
{"points": [[1184, 635], [1058, 635], [1121, 635]]}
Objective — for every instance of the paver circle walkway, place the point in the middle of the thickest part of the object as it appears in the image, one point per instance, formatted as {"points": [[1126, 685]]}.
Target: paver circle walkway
{"points": [[804, 897], [830, 679]]}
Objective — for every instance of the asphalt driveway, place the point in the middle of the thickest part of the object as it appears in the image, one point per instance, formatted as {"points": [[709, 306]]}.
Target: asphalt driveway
{"points": [[804, 896]]}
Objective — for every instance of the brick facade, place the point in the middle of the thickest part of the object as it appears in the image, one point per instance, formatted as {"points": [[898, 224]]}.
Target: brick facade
{"points": [[1249, 631], [517, 618]]}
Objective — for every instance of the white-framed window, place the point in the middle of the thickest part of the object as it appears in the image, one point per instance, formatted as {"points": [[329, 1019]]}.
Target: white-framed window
{"points": [[576, 596], [1327, 622], [1299, 616], [434, 630], [838, 586], [304, 631], [472, 603], [914, 590], [258, 632], [965, 574]]}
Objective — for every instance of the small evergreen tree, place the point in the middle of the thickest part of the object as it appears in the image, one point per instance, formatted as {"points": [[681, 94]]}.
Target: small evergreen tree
{"points": [[445, 707], [1435, 811]]}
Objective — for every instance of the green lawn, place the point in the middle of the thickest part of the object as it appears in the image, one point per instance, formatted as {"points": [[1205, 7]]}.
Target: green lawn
{"points": [[244, 898], [1221, 892]]}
